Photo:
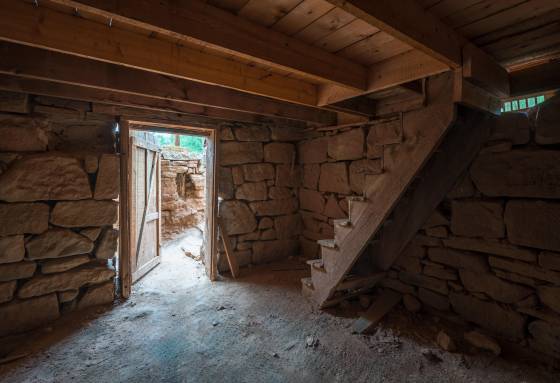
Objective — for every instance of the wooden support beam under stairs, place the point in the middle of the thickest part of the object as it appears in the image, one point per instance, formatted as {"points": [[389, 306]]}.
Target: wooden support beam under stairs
{"points": [[423, 132]]}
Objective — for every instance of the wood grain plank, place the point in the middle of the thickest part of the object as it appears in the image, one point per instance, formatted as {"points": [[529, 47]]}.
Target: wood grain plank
{"points": [[335, 19], [349, 34], [301, 16], [267, 12]]}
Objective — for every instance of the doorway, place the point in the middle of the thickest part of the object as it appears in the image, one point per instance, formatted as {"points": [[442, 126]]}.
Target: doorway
{"points": [[168, 184]]}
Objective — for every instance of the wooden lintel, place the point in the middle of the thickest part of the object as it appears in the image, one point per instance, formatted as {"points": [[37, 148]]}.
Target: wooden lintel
{"points": [[473, 96], [481, 69]]}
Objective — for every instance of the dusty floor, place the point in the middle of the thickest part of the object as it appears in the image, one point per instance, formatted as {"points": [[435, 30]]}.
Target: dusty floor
{"points": [[179, 327]]}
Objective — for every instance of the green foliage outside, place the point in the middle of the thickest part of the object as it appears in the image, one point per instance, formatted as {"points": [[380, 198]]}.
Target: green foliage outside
{"points": [[193, 144]]}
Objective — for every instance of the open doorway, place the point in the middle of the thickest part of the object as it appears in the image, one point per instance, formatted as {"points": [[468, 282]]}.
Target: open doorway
{"points": [[169, 181]]}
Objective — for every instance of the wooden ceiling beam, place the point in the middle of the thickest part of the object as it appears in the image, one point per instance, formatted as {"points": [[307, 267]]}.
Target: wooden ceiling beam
{"points": [[407, 21], [76, 92], [401, 69], [201, 23], [540, 78], [42, 27], [42, 64]]}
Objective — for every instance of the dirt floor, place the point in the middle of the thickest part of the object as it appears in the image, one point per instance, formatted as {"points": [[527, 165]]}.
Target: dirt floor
{"points": [[179, 327]]}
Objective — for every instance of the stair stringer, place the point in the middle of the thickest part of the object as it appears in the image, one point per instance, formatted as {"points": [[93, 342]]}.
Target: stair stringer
{"points": [[423, 130], [458, 149]]}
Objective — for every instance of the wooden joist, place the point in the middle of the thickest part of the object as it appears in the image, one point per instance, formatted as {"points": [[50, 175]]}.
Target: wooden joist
{"points": [[407, 21], [401, 69], [42, 27], [182, 95], [206, 25], [541, 78]]}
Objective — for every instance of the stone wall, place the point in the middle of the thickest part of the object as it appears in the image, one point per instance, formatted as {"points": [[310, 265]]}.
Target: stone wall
{"points": [[59, 178], [258, 185], [490, 254], [183, 182], [334, 166]]}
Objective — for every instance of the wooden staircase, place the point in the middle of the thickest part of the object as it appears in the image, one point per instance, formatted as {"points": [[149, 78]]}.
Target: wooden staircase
{"points": [[439, 141]]}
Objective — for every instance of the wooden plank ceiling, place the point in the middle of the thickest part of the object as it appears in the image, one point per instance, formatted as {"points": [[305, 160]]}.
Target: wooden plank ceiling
{"points": [[312, 54]]}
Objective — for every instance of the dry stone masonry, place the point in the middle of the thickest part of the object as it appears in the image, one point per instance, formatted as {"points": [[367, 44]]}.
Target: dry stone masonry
{"points": [[182, 188], [59, 178], [259, 177], [490, 254]]}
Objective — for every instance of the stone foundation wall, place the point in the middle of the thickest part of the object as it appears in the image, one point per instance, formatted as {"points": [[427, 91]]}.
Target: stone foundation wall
{"points": [[183, 181], [334, 166], [258, 185], [490, 254], [59, 178]]}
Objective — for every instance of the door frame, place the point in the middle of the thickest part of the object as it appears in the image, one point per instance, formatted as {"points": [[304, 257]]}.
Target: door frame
{"points": [[212, 135]]}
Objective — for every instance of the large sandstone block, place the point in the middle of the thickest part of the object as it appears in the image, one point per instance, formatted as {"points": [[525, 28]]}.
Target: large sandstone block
{"points": [[287, 226], [518, 173], [347, 145], [313, 151], [107, 184], [225, 183], [98, 295], [22, 139], [7, 290], [513, 127], [276, 192], [332, 208], [108, 244], [549, 260], [57, 243], [533, 224], [550, 296], [424, 281], [493, 286], [547, 130], [385, 133], [287, 176], [23, 315], [502, 249], [311, 200], [63, 264], [267, 251], [504, 322], [237, 153], [477, 219], [310, 178], [18, 270], [359, 170], [545, 338], [274, 207], [334, 178], [435, 300], [257, 172], [458, 259], [85, 213], [237, 217], [279, 153], [23, 218], [44, 177], [11, 249], [252, 191], [252, 133], [286, 133], [68, 280], [525, 269]]}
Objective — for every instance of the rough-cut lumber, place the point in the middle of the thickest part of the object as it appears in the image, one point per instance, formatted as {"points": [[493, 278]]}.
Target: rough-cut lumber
{"points": [[232, 262], [456, 152], [535, 79], [42, 27], [53, 66], [406, 67], [407, 21], [13, 102], [206, 25], [378, 309], [473, 96]]}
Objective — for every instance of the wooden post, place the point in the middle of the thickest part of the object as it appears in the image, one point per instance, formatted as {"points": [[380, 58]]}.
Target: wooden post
{"points": [[125, 274]]}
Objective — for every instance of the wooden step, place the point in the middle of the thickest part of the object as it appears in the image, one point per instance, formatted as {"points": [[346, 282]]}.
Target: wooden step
{"points": [[341, 229], [356, 207], [330, 243], [316, 263]]}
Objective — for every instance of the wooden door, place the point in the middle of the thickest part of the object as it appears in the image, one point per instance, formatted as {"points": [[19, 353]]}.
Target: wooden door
{"points": [[145, 207]]}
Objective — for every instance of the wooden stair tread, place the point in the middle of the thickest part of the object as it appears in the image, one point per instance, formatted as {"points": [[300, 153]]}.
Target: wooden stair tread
{"points": [[330, 243]]}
